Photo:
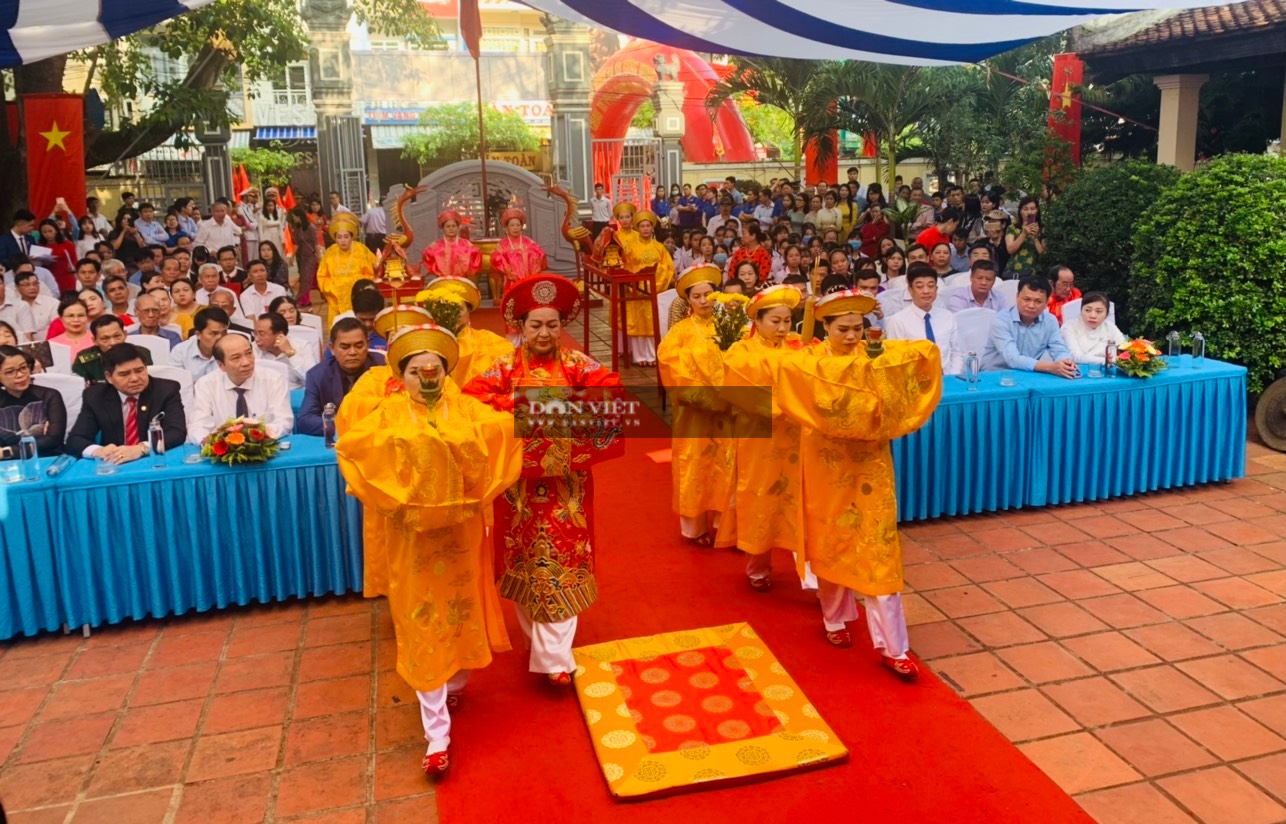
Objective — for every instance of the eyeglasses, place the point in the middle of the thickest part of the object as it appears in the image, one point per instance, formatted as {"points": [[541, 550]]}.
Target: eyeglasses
{"points": [[16, 372]]}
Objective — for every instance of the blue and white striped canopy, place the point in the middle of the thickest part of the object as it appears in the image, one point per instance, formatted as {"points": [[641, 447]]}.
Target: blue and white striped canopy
{"points": [[32, 30], [913, 32]]}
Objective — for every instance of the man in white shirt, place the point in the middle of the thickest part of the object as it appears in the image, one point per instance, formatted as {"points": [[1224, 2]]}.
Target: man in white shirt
{"points": [[34, 311], [258, 292], [375, 227], [337, 205], [207, 283], [196, 354], [152, 230], [9, 308], [101, 223], [600, 209], [249, 212], [238, 390], [219, 230], [923, 321], [979, 294], [714, 224], [272, 343]]}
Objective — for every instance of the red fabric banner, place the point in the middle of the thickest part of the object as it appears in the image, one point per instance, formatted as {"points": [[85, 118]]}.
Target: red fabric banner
{"points": [[471, 26], [55, 128], [815, 170], [1065, 101]]}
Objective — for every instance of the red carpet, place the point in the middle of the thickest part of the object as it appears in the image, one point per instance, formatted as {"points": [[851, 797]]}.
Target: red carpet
{"points": [[521, 752]]}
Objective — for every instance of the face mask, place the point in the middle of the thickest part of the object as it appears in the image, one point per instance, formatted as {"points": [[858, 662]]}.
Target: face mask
{"points": [[720, 258], [853, 244]]}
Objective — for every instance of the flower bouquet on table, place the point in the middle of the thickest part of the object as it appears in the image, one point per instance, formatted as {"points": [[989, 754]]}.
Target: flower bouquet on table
{"points": [[730, 318], [239, 441], [1138, 358]]}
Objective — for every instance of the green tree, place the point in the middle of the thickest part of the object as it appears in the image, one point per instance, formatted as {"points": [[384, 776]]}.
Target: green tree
{"points": [[788, 85], [644, 116], [267, 167], [451, 134], [1210, 257]]}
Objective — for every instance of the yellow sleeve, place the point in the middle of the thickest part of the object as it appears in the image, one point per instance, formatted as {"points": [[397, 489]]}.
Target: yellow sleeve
{"points": [[748, 378], [691, 367], [855, 397]]}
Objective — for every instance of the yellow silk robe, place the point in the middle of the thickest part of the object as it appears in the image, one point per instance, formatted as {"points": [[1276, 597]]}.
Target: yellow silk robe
{"points": [[337, 273], [638, 255], [479, 348], [850, 407], [432, 474], [371, 388], [702, 448], [767, 508]]}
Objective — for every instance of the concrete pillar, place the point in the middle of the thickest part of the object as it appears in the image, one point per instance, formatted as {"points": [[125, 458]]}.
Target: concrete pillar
{"points": [[341, 150], [570, 77], [669, 124], [216, 161], [1180, 103]]}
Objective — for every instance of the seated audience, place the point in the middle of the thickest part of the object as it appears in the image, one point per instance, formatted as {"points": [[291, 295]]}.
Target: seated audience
{"points": [[272, 343], [19, 390], [196, 354], [979, 294], [184, 306], [237, 322], [207, 284], [1063, 289], [148, 309], [114, 416], [75, 334], [332, 380], [108, 331], [1025, 333], [259, 293], [1087, 336], [238, 390], [923, 321], [33, 312], [367, 303], [119, 302]]}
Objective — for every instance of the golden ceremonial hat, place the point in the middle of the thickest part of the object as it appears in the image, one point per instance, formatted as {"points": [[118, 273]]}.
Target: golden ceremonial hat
{"points": [[624, 208], [846, 302], [395, 317], [779, 295], [424, 337], [343, 222], [701, 273]]}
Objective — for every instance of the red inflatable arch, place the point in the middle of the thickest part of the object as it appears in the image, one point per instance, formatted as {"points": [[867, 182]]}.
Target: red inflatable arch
{"points": [[627, 79]]}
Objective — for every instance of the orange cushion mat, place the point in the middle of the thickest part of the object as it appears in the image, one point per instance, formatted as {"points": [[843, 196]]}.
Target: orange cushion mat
{"points": [[705, 705]]}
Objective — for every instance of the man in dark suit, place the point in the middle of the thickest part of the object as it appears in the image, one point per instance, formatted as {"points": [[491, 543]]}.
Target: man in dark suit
{"points": [[331, 380], [17, 241], [114, 416]]}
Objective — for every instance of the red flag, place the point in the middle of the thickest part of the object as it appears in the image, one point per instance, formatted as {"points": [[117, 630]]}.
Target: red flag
{"points": [[870, 146], [55, 125], [1065, 101], [288, 199], [471, 26]]}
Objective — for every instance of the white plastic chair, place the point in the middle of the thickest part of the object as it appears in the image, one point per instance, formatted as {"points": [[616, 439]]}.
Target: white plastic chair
{"points": [[311, 320], [71, 387], [175, 328], [1008, 289], [61, 354], [157, 346], [307, 336], [275, 367], [180, 376], [664, 300], [1072, 309], [973, 329], [956, 281], [893, 301]]}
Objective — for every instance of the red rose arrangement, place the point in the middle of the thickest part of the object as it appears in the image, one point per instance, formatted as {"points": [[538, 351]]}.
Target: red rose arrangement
{"points": [[238, 441]]}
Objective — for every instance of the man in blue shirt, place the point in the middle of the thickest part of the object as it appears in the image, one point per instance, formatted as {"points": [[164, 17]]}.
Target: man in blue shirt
{"points": [[1023, 333], [688, 209], [331, 380]]}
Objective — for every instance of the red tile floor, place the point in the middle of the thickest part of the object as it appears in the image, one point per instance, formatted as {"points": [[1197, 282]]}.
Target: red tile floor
{"points": [[1134, 649]]}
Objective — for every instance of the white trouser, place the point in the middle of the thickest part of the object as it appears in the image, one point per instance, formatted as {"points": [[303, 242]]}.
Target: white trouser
{"points": [[887, 624], [838, 605], [642, 348], [759, 567], [551, 643], [699, 525], [434, 713]]}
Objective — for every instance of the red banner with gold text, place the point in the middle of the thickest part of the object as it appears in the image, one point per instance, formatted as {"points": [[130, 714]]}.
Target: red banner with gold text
{"points": [[55, 129], [1065, 101]]}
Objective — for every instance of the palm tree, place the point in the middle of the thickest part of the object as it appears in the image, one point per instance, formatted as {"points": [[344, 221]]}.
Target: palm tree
{"points": [[783, 83], [878, 98]]}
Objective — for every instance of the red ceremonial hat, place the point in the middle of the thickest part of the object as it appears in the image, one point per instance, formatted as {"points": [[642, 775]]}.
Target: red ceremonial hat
{"points": [[538, 292], [449, 214], [511, 213]]}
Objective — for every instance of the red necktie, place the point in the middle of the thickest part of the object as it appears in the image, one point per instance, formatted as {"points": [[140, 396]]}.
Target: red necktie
{"points": [[131, 422]]}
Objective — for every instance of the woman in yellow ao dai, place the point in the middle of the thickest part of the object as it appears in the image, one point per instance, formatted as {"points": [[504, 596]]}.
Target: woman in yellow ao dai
{"points": [[851, 405], [692, 371], [342, 265], [643, 253]]}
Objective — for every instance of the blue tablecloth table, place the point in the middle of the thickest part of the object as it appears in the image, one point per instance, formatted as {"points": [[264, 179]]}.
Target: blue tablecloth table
{"points": [[29, 593]]}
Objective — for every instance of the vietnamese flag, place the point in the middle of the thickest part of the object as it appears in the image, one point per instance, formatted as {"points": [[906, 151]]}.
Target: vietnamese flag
{"points": [[471, 26], [55, 129]]}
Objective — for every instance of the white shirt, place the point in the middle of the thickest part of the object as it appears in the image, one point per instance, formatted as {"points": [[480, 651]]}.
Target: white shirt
{"points": [[1089, 345], [600, 209], [203, 297], [101, 223], [715, 223], [254, 304], [214, 236], [214, 402], [297, 365], [187, 355], [250, 214], [33, 318], [909, 325], [375, 222]]}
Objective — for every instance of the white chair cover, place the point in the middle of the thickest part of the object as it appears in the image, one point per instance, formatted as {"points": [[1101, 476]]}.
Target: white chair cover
{"points": [[175, 328], [893, 301], [181, 376], [956, 281], [973, 330], [61, 354], [664, 300], [311, 320], [158, 346], [308, 336], [1072, 309], [1008, 289], [273, 366], [71, 387]]}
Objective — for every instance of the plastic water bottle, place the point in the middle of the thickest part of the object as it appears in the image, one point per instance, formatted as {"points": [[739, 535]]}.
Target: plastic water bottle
{"points": [[1109, 360], [328, 425], [1174, 345], [971, 368], [1198, 350], [28, 457], [156, 441]]}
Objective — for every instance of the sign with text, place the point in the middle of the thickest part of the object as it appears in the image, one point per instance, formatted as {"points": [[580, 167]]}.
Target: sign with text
{"points": [[527, 160]]}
